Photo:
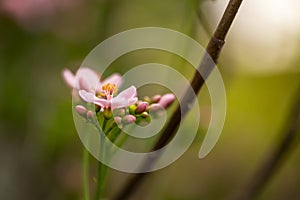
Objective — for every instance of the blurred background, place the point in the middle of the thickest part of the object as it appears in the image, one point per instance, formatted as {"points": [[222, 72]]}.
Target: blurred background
{"points": [[40, 151]]}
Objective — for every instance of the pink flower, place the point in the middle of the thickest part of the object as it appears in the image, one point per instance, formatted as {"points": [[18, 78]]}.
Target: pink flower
{"points": [[88, 79], [124, 99]]}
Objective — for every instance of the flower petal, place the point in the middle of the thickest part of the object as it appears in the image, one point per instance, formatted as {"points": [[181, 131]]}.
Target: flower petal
{"points": [[132, 101], [83, 84], [68, 77], [102, 102], [119, 103], [87, 96], [113, 79], [86, 78], [125, 98], [91, 98], [128, 93]]}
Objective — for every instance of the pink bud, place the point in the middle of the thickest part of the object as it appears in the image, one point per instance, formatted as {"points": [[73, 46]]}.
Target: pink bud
{"points": [[156, 98], [118, 120], [167, 100], [121, 112], [81, 110], [128, 119], [155, 107], [90, 114], [142, 106]]}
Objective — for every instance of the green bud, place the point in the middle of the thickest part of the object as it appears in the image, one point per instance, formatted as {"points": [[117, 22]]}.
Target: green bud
{"points": [[132, 109], [145, 114]]}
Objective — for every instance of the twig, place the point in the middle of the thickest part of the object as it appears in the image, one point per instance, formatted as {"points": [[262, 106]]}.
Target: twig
{"points": [[213, 50], [273, 160]]}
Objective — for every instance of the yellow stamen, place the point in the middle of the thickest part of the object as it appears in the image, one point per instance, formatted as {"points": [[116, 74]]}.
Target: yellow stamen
{"points": [[109, 89]]}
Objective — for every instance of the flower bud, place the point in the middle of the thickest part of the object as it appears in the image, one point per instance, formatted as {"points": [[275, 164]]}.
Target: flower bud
{"points": [[166, 100], [156, 110], [132, 109], [90, 114], [81, 110], [128, 119], [156, 98], [142, 106], [118, 120], [120, 112], [146, 98], [155, 107], [145, 114]]}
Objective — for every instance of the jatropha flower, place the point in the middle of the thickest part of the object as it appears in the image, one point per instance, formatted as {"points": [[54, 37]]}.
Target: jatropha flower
{"points": [[123, 107], [107, 99]]}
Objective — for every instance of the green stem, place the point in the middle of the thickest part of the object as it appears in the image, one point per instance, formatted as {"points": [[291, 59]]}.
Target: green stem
{"points": [[101, 166], [100, 180], [102, 169], [115, 131], [122, 140], [86, 174], [104, 125], [110, 129]]}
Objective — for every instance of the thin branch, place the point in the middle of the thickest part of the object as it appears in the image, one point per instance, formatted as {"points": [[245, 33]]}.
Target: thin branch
{"points": [[213, 50], [275, 158]]}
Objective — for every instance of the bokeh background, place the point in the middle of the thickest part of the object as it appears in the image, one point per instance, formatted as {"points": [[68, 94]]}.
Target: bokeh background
{"points": [[40, 151]]}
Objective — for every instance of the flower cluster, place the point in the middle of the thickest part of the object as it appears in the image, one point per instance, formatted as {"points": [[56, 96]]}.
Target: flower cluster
{"points": [[123, 107]]}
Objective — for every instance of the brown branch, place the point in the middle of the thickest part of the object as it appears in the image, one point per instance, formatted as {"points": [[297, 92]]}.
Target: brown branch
{"points": [[274, 159], [213, 50]]}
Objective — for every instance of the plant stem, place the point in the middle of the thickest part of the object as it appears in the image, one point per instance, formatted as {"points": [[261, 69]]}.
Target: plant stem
{"points": [[121, 141], [273, 160], [99, 181], [86, 174], [213, 50], [101, 166], [104, 125], [110, 129]]}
